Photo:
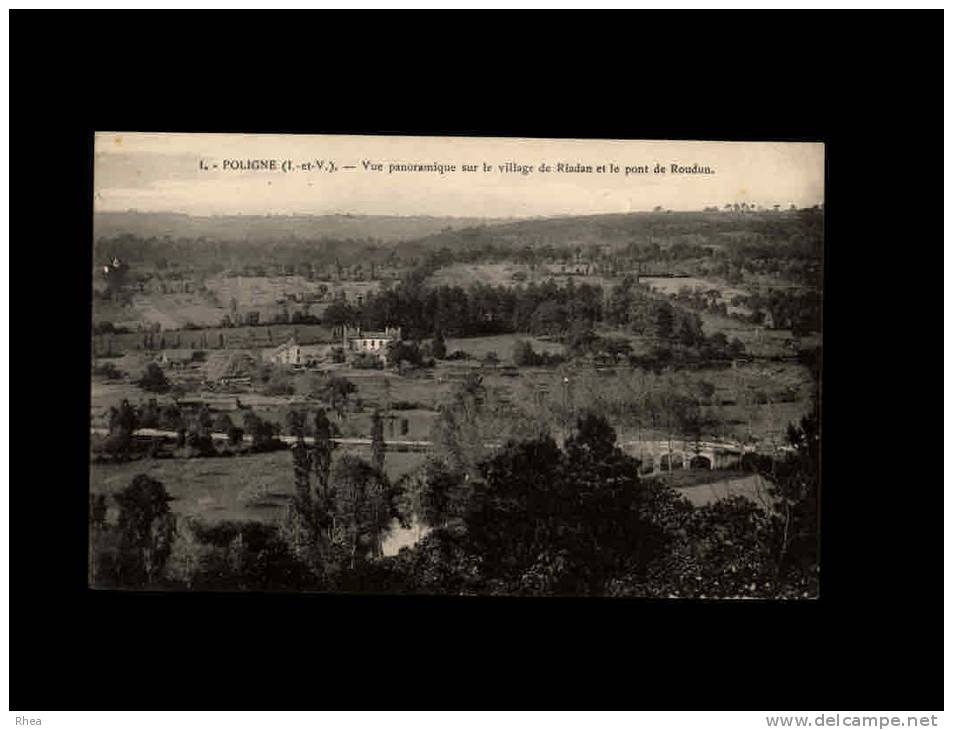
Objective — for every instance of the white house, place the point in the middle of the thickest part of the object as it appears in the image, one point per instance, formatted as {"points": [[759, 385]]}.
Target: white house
{"points": [[355, 340]]}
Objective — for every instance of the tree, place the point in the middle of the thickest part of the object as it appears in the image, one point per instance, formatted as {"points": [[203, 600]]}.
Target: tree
{"points": [[321, 514], [170, 418], [664, 320], [377, 441], [153, 379], [335, 391], [362, 508], [123, 422], [523, 354], [796, 480], [436, 493], [146, 529], [223, 423], [323, 447], [439, 346], [538, 518], [296, 423], [550, 317], [262, 432], [337, 314]]}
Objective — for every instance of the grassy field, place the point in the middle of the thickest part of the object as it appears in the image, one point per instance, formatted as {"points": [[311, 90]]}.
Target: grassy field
{"points": [[254, 487], [671, 286], [463, 275], [213, 338], [255, 292], [173, 311], [502, 345], [752, 487]]}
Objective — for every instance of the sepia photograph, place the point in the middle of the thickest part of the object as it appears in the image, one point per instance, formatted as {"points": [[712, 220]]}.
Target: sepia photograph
{"points": [[456, 366]]}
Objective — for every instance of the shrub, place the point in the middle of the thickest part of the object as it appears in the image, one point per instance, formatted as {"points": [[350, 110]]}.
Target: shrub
{"points": [[405, 405], [223, 423], [367, 361], [153, 379]]}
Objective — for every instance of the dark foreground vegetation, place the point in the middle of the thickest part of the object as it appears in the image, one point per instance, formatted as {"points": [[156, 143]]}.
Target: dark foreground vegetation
{"points": [[533, 519]]}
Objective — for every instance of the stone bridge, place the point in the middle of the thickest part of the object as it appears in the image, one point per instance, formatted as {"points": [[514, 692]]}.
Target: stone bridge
{"points": [[662, 456]]}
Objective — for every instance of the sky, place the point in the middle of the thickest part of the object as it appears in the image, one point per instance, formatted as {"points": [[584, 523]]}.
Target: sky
{"points": [[184, 173]]}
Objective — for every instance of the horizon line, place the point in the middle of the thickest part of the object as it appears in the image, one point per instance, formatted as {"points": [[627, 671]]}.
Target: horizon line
{"points": [[294, 214]]}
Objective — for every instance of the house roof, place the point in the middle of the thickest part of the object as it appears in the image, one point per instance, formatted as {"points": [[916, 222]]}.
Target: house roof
{"points": [[371, 336]]}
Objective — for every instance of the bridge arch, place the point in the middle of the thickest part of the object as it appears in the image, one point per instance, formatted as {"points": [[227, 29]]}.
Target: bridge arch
{"points": [[701, 461]]}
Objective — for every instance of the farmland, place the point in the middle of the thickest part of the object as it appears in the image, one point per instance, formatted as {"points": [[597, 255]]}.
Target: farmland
{"points": [[510, 274]]}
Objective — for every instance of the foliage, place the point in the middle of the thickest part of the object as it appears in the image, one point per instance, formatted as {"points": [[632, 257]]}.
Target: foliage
{"points": [[366, 361], [435, 493], [153, 379], [142, 537], [239, 555], [438, 348]]}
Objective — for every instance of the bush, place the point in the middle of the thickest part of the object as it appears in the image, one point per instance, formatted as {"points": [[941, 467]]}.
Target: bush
{"points": [[150, 414], [525, 356], [406, 405], [222, 423], [153, 379], [275, 381], [278, 387], [367, 361]]}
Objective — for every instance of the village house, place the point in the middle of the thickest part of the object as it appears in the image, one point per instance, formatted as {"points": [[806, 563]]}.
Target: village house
{"points": [[355, 340], [293, 354]]}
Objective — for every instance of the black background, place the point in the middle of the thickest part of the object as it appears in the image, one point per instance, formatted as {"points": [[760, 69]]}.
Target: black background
{"points": [[868, 84]]}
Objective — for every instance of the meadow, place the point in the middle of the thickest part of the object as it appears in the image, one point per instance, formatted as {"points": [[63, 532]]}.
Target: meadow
{"points": [[511, 274], [255, 487]]}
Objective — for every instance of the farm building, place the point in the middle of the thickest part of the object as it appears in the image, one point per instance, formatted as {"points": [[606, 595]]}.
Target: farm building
{"points": [[229, 365], [292, 353], [288, 353]]}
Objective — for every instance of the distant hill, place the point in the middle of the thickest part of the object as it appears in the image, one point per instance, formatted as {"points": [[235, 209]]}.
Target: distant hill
{"points": [[233, 242], [619, 230], [387, 229]]}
